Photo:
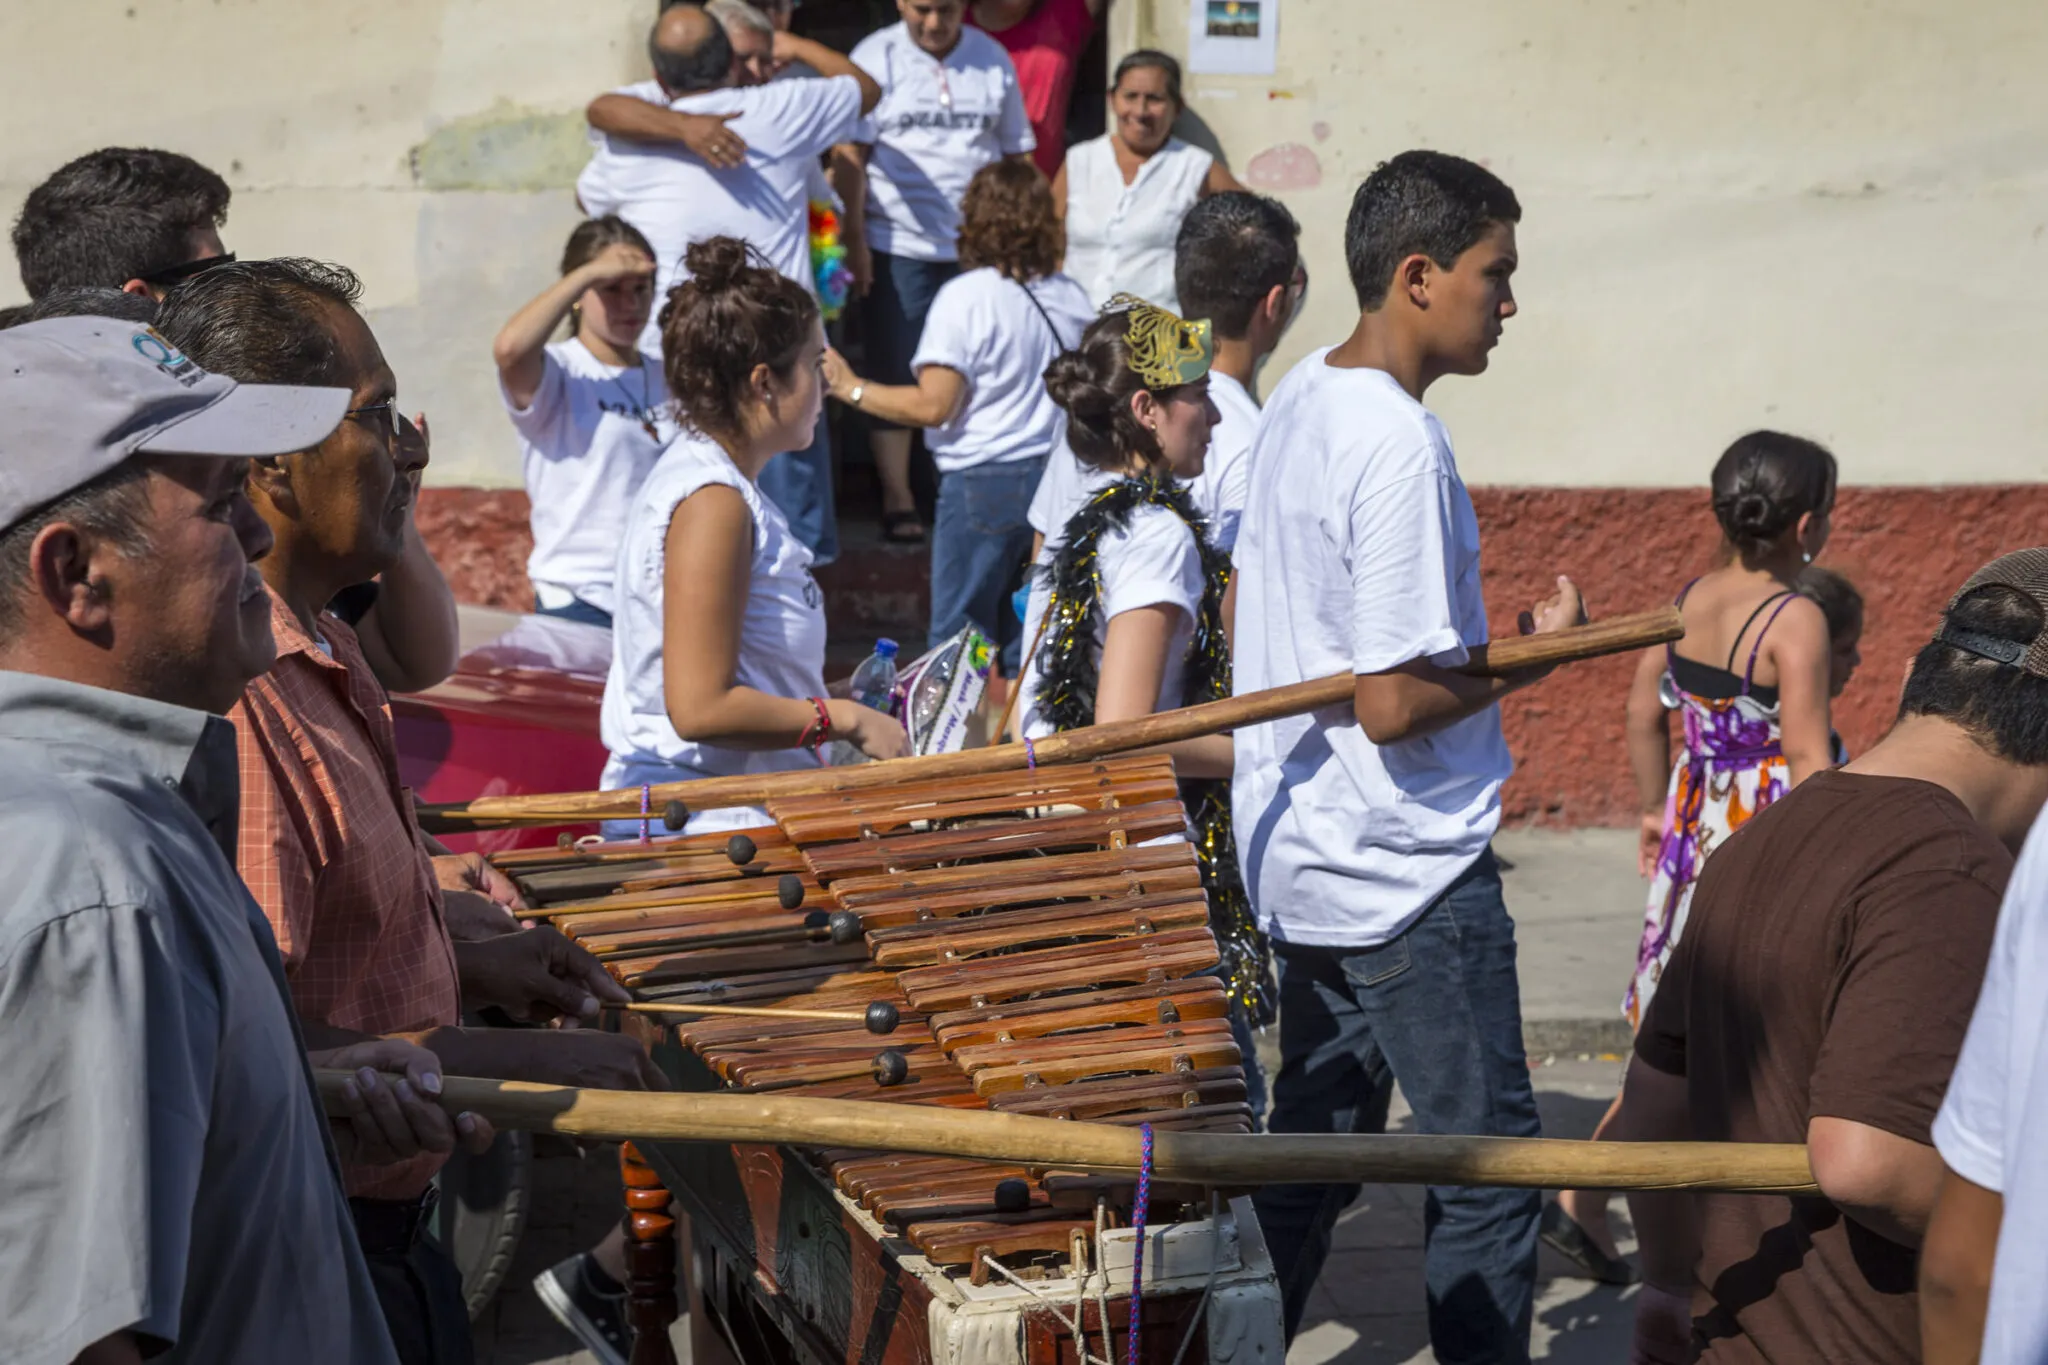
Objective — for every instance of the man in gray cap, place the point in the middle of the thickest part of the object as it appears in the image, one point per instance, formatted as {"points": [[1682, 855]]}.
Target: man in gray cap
{"points": [[169, 1189], [1821, 994]]}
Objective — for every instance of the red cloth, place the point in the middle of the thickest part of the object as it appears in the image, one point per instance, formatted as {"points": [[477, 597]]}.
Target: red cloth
{"points": [[1045, 46]]}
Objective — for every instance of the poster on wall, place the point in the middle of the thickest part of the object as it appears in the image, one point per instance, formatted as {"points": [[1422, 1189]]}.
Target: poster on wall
{"points": [[1232, 37]]}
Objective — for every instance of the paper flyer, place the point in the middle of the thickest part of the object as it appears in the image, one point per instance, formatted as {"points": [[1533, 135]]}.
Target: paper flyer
{"points": [[1232, 37]]}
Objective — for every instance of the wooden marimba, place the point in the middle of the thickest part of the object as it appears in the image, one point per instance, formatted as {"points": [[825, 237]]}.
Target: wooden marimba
{"points": [[1033, 943]]}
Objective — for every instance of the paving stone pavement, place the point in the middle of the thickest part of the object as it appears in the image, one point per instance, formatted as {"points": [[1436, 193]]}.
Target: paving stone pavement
{"points": [[1578, 908]]}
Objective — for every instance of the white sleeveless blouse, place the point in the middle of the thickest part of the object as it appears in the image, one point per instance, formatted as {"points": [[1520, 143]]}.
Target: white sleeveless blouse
{"points": [[1120, 237]]}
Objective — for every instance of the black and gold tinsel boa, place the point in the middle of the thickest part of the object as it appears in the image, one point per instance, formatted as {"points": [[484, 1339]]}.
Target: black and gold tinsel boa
{"points": [[1068, 671]]}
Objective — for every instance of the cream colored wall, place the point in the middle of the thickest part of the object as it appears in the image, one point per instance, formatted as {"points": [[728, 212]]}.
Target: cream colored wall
{"points": [[430, 145], [1826, 215]]}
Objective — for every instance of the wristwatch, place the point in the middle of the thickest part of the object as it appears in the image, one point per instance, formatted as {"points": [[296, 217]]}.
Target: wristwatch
{"points": [[853, 397]]}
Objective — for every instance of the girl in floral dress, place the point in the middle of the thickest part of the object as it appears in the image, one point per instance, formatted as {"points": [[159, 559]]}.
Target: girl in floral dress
{"points": [[1750, 683]]}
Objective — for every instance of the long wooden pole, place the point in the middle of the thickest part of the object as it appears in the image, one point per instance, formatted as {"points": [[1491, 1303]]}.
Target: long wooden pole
{"points": [[1617, 635], [1194, 1158]]}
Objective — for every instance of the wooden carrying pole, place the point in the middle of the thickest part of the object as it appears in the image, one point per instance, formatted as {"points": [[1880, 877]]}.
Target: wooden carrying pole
{"points": [[1059, 1144], [1617, 635]]}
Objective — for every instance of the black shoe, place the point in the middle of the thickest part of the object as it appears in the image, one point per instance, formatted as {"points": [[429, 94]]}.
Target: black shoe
{"points": [[1570, 1241], [590, 1303]]}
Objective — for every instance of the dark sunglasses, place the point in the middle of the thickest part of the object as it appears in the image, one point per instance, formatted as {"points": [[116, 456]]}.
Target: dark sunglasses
{"points": [[174, 274]]}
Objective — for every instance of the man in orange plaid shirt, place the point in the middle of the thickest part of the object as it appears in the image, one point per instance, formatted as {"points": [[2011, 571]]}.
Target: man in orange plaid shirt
{"points": [[379, 936]]}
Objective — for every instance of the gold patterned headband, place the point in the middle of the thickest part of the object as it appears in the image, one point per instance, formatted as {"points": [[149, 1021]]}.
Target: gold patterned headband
{"points": [[1166, 351]]}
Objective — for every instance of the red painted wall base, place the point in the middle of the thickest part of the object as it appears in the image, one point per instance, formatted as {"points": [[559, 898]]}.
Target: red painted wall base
{"points": [[1907, 548]]}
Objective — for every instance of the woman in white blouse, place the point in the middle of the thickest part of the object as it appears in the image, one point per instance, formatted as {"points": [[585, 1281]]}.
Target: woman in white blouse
{"points": [[718, 641], [1123, 194]]}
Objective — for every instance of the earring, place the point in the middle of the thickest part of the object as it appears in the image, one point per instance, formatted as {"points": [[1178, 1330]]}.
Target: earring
{"points": [[1806, 555]]}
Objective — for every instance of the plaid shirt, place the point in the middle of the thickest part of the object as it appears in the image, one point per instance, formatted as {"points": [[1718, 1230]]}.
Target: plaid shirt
{"points": [[331, 851]]}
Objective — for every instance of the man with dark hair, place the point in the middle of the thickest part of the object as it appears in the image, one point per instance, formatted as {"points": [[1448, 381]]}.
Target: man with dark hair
{"points": [[1365, 839], [169, 1190], [645, 170], [129, 218], [140, 221], [379, 937], [1821, 994]]}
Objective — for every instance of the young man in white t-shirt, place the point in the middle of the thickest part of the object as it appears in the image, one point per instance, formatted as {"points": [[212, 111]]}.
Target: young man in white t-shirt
{"points": [[1363, 835], [655, 166]]}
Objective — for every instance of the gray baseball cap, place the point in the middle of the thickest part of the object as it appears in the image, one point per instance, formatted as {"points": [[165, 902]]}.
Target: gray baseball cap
{"points": [[78, 396]]}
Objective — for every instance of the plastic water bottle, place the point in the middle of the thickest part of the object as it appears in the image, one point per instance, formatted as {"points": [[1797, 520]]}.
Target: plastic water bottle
{"points": [[873, 686]]}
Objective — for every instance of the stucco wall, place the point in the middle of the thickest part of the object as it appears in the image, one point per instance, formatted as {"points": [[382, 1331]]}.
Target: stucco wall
{"points": [[430, 145], [1827, 216]]}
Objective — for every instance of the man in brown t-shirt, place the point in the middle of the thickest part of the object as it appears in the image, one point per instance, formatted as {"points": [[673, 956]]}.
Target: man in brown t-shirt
{"points": [[1821, 994]]}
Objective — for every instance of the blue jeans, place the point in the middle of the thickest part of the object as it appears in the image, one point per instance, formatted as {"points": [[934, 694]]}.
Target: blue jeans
{"points": [[1439, 1010], [800, 483], [896, 306], [980, 542], [576, 609]]}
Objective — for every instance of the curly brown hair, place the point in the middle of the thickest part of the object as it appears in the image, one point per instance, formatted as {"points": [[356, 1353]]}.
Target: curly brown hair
{"points": [[1007, 222], [735, 311]]}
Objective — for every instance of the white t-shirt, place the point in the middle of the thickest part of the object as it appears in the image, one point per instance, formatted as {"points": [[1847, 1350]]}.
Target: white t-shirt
{"points": [[675, 199], [1152, 562], [586, 451], [1358, 552], [937, 124], [1120, 238], [782, 633], [984, 325], [1993, 1126], [1218, 491]]}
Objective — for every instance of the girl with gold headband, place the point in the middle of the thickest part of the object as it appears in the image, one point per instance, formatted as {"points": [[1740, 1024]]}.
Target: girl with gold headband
{"points": [[1127, 611]]}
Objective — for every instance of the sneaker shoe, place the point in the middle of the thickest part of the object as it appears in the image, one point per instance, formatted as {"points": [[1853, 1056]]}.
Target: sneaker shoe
{"points": [[590, 1304]]}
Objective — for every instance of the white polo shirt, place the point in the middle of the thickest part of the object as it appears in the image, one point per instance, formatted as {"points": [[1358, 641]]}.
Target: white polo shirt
{"points": [[1993, 1126], [675, 199], [1358, 552], [585, 449], [987, 327], [939, 121]]}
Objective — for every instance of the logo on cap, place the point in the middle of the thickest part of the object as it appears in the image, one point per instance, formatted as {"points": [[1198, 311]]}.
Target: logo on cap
{"points": [[151, 346]]}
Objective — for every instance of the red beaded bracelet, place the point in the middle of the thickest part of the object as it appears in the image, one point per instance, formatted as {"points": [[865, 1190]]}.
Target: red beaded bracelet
{"points": [[819, 732]]}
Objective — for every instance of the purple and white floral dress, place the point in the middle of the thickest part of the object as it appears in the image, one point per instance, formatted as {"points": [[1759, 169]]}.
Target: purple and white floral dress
{"points": [[1731, 766]]}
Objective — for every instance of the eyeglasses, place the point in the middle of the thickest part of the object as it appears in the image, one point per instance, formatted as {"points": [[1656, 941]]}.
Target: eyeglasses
{"points": [[388, 422], [172, 274]]}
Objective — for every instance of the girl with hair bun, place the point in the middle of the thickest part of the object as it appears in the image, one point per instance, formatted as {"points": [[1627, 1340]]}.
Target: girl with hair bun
{"points": [[1126, 609], [718, 643], [1751, 684]]}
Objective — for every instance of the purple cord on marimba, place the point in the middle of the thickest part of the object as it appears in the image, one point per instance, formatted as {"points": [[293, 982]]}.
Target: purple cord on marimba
{"points": [[1138, 1206], [1030, 753], [646, 799]]}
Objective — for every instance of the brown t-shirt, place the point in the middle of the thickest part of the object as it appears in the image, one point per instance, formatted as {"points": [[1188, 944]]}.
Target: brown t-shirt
{"points": [[1829, 967]]}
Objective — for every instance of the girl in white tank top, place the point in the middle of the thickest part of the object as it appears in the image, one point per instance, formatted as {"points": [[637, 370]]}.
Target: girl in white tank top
{"points": [[718, 639]]}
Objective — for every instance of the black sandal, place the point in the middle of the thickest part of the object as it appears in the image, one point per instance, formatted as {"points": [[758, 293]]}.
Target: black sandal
{"points": [[902, 528], [1563, 1235]]}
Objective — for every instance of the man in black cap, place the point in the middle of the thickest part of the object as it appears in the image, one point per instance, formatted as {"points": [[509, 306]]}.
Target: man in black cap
{"points": [[1821, 994], [169, 1189]]}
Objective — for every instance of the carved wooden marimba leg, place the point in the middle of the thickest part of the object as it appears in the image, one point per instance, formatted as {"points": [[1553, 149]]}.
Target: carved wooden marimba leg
{"points": [[650, 1260]]}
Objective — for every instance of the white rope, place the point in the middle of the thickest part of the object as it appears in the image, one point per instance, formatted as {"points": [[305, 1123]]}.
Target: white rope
{"points": [[1073, 1325]]}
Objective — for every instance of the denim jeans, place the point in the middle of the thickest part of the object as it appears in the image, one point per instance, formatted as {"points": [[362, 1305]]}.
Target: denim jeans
{"points": [[1437, 1009], [896, 307], [576, 609], [980, 542], [800, 483]]}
